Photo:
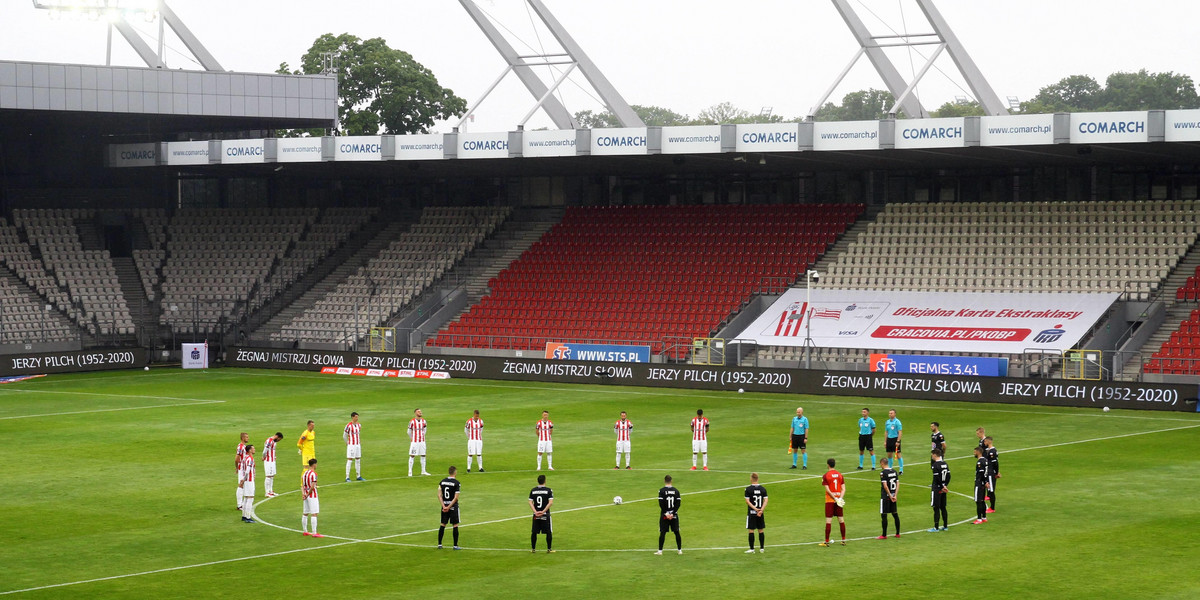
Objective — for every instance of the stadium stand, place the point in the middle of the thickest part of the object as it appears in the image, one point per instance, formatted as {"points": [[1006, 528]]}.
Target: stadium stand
{"points": [[23, 316], [655, 276], [400, 272], [1109, 246]]}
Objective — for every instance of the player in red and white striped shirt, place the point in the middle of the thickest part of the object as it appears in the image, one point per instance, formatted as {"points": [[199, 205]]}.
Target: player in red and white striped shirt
{"points": [[623, 427], [246, 483], [545, 446], [416, 436], [700, 438], [237, 464], [268, 457], [474, 431], [308, 490], [353, 446]]}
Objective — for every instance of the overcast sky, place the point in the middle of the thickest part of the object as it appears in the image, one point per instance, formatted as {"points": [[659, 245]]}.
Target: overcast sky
{"points": [[685, 55]]}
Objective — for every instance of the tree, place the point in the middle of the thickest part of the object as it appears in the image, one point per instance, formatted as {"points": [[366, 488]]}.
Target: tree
{"points": [[1149, 91], [650, 115], [863, 105], [1077, 93], [726, 113], [381, 89], [959, 108]]}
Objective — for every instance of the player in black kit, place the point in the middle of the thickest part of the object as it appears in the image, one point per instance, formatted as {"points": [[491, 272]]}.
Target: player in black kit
{"points": [[983, 485], [541, 498], [668, 519], [939, 490], [889, 489], [936, 439], [448, 490], [756, 503], [993, 457]]}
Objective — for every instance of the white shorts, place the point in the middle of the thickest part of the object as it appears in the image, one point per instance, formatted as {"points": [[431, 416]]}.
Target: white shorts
{"points": [[416, 449], [546, 446], [269, 468], [700, 446], [312, 506], [354, 451], [474, 447], [623, 446], [248, 489]]}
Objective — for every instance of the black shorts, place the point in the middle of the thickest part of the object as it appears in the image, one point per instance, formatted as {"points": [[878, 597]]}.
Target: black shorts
{"points": [[981, 492], [886, 505], [542, 526], [756, 522], [450, 516], [866, 441], [892, 444], [937, 500], [665, 525], [799, 442]]}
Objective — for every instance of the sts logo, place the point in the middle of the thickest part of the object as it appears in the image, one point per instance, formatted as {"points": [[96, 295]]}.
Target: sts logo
{"points": [[1047, 336], [885, 365], [558, 351]]}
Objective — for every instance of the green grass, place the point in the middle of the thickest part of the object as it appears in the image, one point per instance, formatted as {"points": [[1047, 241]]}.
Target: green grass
{"points": [[108, 484]]}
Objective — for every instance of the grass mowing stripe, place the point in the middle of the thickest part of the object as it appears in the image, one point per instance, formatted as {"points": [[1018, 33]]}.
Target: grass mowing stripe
{"points": [[102, 410]]}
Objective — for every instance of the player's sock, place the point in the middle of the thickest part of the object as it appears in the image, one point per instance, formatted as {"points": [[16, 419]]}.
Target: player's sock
{"points": [[480, 457], [533, 541], [304, 523], [549, 540], [539, 462], [248, 507], [693, 460], [762, 539], [794, 458], [314, 524], [706, 460], [992, 494], [549, 463], [239, 497], [662, 537], [828, 528], [860, 461], [945, 518], [937, 515], [843, 526], [750, 536], [896, 518], [468, 462], [804, 460], [269, 486], [410, 463], [678, 542], [628, 459], [619, 462], [872, 461], [349, 461], [883, 520], [455, 536], [358, 467], [422, 463], [441, 534]]}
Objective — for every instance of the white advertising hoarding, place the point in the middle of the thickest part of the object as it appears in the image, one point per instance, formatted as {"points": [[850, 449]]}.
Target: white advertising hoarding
{"points": [[930, 133], [619, 141], [691, 139], [846, 135], [240, 152], [1126, 126], [1183, 126], [538, 144], [358, 148], [929, 321], [133, 155], [483, 145], [426, 146], [195, 356], [187, 153], [1016, 130], [292, 150], [768, 137]]}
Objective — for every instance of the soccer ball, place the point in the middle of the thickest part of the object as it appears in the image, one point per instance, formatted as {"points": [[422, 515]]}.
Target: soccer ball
{"points": [[146, 368], [1105, 409], [616, 499], [741, 391]]}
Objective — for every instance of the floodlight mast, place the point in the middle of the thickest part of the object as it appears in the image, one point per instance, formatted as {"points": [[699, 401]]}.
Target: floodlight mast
{"points": [[117, 11]]}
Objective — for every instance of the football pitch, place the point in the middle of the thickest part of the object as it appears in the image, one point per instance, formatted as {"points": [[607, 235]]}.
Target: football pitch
{"points": [[122, 485]]}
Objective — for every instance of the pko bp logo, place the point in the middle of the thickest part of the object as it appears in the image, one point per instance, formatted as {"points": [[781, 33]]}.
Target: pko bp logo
{"points": [[558, 351], [1048, 336], [195, 354]]}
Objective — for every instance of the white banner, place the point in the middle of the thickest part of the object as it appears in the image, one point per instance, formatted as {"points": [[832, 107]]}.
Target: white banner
{"points": [[358, 148], [846, 135], [195, 356], [1016, 130], [691, 139], [930, 133], [623, 140], [929, 321], [1183, 125], [1127, 126], [768, 137], [187, 153], [237, 152], [293, 150], [483, 145], [133, 155], [539, 144], [425, 146]]}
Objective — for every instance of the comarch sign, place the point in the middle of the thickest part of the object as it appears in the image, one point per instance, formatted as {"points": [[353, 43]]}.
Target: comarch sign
{"points": [[539, 144], [425, 146], [1125, 126], [483, 145], [240, 152], [1183, 126], [768, 137], [1016, 130], [930, 133], [293, 150], [358, 148], [619, 141], [133, 155], [187, 153], [691, 139], [846, 135]]}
